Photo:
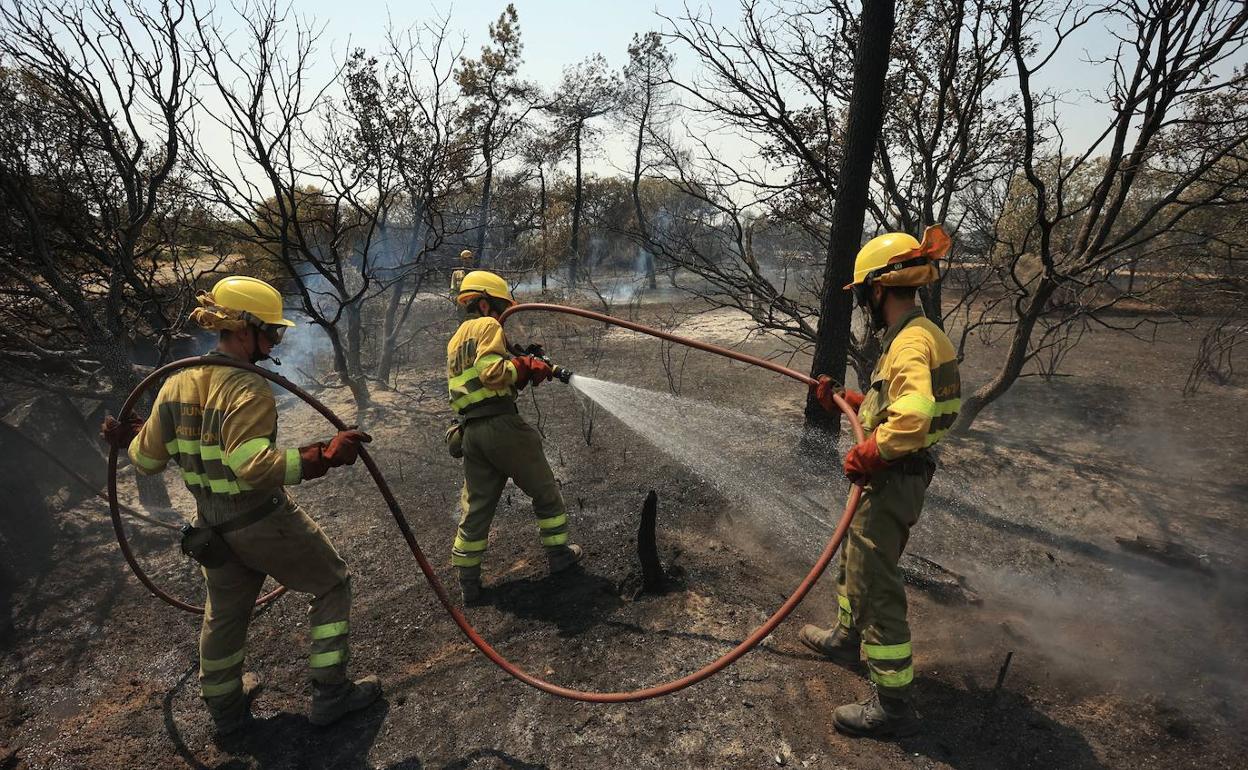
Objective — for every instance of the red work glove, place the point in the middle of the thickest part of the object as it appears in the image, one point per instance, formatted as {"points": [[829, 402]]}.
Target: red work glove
{"points": [[341, 450], [120, 434], [530, 370], [823, 394], [864, 461]]}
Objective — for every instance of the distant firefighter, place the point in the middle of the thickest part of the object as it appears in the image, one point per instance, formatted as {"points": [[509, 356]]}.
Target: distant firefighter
{"points": [[457, 275], [219, 424], [913, 400]]}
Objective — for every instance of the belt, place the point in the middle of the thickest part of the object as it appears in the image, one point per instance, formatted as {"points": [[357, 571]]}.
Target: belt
{"points": [[916, 463], [247, 518], [488, 408]]}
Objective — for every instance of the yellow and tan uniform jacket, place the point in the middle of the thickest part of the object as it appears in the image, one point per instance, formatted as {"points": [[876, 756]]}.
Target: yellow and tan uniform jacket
{"points": [[915, 391], [480, 377], [219, 424]]}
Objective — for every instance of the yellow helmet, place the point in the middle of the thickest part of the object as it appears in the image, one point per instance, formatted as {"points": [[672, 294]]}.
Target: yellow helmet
{"points": [[484, 283], [898, 259], [245, 294], [465, 255]]}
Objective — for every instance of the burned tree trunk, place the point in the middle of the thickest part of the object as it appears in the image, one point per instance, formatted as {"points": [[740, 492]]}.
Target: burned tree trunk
{"points": [[653, 579]]}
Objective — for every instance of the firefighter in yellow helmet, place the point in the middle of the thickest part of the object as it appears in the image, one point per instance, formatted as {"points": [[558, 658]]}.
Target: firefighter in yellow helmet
{"points": [[219, 424], [457, 275], [913, 399], [483, 377]]}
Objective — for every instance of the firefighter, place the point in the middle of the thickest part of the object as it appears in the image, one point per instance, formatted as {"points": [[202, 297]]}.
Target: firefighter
{"points": [[912, 401], [457, 275], [496, 443], [219, 424]]}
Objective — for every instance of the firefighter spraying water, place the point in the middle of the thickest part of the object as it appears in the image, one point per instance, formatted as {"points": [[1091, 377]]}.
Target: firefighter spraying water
{"points": [[227, 460]]}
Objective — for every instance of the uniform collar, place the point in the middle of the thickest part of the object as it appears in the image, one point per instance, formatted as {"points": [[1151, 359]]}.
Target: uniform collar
{"points": [[895, 329]]}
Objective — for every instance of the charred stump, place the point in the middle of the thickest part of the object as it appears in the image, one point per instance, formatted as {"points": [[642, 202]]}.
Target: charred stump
{"points": [[653, 578]]}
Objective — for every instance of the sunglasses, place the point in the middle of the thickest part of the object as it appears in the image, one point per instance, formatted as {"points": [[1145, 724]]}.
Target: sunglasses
{"points": [[273, 332]]}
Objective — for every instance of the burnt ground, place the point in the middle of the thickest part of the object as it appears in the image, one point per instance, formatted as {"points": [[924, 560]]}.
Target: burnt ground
{"points": [[1119, 660]]}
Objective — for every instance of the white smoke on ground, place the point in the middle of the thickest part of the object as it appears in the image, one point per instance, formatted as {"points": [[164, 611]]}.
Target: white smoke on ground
{"points": [[746, 458]]}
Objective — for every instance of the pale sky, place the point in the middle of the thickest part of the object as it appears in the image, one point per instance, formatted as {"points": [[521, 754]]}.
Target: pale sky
{"points": [[558, 34]]}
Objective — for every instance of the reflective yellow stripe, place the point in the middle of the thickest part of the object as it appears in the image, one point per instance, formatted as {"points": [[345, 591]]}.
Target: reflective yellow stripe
{"points": [[220, 486], [948, 406], [842, 601], [559, 539], [182, 445], [487, 360], [470, 545], [145, 462], [294, 467], [246, 451], [213, 690], [189, 447], [932, 438], [475, 396], [553, 521], [465, 561], [914, 403], [325, 659], [888, 651], [898, 679], [220, 664], [329, 630], [464, 378]]}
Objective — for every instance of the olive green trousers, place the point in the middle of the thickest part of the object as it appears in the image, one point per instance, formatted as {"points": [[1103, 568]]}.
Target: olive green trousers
{"points": [[289, 546], [498, 448], [871, 594]]}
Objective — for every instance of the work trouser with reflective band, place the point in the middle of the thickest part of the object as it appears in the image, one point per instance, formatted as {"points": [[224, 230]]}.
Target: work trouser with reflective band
{"points": [[498, 448], [289, 546], [871, 594]]}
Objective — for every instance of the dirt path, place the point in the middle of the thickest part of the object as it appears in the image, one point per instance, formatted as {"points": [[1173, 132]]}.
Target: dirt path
{"points": [[1119, 661]]}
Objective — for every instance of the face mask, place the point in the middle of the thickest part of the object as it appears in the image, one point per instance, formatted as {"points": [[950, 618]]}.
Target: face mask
{"points": [[863, 296]]}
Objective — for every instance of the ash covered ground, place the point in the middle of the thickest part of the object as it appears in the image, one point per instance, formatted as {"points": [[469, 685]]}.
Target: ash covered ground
{"points": [[1120, 659]]}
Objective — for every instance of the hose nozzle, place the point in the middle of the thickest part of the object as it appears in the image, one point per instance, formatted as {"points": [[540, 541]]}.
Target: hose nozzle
{"points": [[561, 373]]}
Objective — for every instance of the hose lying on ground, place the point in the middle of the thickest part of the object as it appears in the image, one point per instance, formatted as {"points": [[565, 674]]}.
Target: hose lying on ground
{"points": [[665, 688]]}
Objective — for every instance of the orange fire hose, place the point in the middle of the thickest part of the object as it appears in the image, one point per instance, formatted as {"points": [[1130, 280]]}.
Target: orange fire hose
{"points": [[666, 688]]}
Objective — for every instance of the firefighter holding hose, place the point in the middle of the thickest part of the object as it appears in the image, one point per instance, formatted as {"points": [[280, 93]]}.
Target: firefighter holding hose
{"points": [[912, 401], [219, 424], [496, 444]]}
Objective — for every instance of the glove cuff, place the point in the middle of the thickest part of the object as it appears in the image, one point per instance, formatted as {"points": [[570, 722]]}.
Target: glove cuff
{"points": [[313, 463]]}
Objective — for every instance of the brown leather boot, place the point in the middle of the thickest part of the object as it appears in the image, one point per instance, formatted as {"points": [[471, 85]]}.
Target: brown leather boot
{"points": [[239, 716], [839, 644], [331, 702], [877, 717], [562, 558]]}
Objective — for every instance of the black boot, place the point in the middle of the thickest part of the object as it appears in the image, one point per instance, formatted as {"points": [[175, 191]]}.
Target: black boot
{"points": [[841, 645], [877, 717]]}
